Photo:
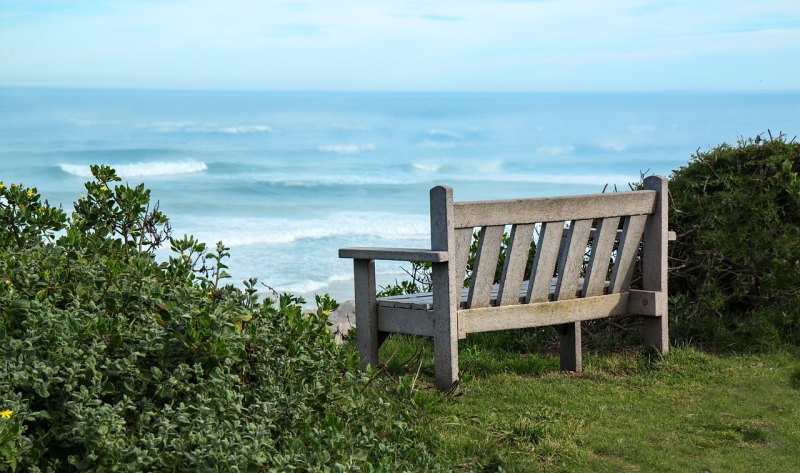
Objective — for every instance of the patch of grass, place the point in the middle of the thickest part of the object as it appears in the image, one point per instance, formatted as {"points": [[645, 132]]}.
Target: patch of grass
{"points": [[629, 410]]}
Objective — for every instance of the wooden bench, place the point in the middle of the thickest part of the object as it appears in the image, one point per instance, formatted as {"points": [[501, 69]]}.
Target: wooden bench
{"points": [[554, 293]]}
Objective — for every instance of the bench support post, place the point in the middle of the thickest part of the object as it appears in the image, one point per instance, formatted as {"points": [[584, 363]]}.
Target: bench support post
{"points": [[570, 347], [654, 256], [446, 292], [366, 312]]}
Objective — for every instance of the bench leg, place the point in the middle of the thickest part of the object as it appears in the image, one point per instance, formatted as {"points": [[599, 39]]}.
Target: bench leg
{"points": [[656, 333], [570, 347], [366, 312], [445, 361]]}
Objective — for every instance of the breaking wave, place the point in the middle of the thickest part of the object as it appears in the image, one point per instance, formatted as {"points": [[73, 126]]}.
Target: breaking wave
{"points": [[150, 169]]}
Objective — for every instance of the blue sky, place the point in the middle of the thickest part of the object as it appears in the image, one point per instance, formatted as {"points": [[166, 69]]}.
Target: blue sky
{"points": [[447, 45]]}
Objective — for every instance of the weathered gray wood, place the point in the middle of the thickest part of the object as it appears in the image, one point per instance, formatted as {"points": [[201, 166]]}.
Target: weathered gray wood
{"points": [[409, 321], [571, 357], [646, 303], [626, 252], [366, 312], [519, 245], [544, 262], [484, 266], [654, 254], [424, 300], [551, 209], [599, 259], [446, 290], [439, 313], [541, 314], [463, 242], [394, 254], [569, 268]]}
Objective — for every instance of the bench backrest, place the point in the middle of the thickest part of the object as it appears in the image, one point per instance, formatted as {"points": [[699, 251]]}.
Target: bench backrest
{"points": [[612, 224]]}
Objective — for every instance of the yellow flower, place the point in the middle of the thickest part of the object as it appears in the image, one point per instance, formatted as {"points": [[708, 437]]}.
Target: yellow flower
{"points": [[104, 188], [238, 326], [2, 186], [29, 192], [209, 293], [6, 414]]}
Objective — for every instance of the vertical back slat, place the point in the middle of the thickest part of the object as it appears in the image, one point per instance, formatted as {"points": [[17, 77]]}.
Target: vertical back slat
{"points": [[572, 261], [544, 262], [463, 241], [484, 266], [519, 244], [626, 253], [604, 235]]}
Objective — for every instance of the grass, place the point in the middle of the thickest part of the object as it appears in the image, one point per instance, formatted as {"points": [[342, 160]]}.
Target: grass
{"points": [[628, 411]]}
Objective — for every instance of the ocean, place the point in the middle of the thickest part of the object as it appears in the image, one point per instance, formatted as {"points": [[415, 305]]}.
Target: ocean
{"points": [[285, 179]]}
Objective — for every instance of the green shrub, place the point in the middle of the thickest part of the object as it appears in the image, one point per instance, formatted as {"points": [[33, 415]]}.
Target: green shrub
{"points": [[113, 361], [736, 263]]}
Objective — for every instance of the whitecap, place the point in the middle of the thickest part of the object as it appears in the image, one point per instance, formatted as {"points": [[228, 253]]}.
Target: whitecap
{"points": [[150, 169], [241, 129], [427, 167], [347, 148]]}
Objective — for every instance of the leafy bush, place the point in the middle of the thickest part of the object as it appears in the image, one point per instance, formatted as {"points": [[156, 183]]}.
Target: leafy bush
{"points": [[113, 361], [736, 263]]}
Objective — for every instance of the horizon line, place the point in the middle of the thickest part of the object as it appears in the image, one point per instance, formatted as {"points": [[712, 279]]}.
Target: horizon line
{"points": [[394, 91]]}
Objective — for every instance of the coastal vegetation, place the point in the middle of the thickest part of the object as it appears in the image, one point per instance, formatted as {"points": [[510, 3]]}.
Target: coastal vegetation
{"points": [[114, 359], [123, 348]]}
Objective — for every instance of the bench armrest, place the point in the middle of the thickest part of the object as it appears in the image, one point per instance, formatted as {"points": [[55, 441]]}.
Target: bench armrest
{"points": [[395, 254]]}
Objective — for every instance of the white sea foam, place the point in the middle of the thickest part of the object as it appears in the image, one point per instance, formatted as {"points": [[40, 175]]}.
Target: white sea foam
{"points": [[347, 148], [236, 232], [337, 180], [427, 167], [311, 285], [183, 127], [240, 129], [155, 168]]}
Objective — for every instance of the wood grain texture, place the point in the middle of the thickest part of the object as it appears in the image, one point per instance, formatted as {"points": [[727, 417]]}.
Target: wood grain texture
{"points": [[544, 263], [463, 240], [602, 244], [552, 209], [446, 290], [654, 255], [408, 321], [366, 312], [569, 268], [541, 314], [484, 266], [519, 245], [394, 254], [626, 252]]}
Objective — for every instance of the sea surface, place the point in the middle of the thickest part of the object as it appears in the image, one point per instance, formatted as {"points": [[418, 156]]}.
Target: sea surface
{"points": [[286, 179]]}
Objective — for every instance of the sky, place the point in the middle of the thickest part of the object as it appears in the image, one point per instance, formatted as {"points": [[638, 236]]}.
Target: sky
{"points": [[403, 45]]}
